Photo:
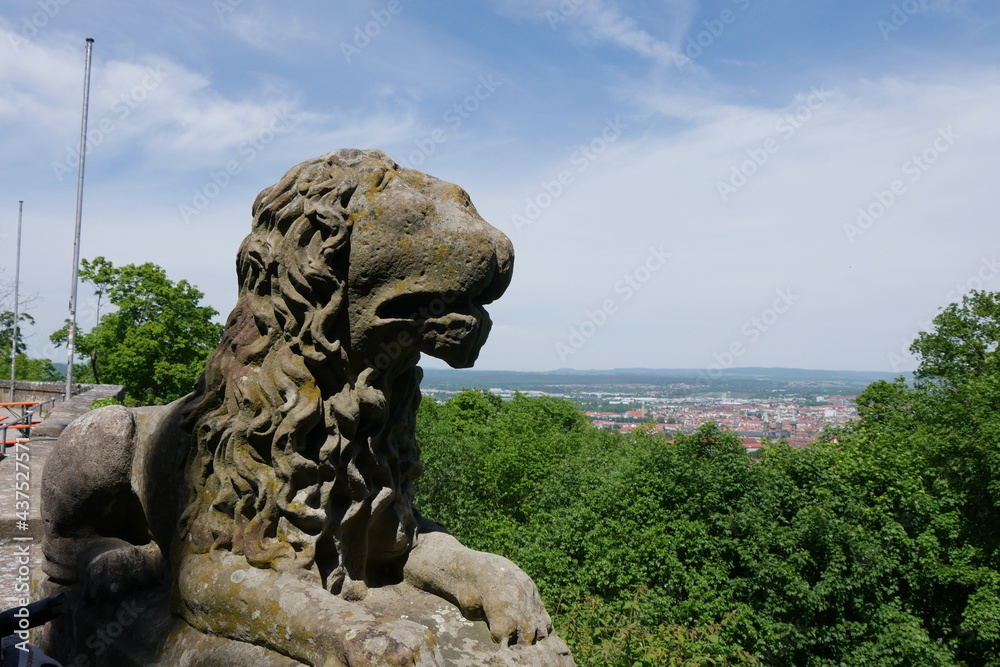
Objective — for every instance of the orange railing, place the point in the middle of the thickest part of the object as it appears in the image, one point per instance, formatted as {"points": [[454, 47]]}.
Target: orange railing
{"points": [[20, 417]]}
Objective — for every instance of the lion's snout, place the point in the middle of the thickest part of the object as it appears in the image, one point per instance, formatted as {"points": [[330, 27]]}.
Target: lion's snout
{"points": [[503, 254], [423, 264]]}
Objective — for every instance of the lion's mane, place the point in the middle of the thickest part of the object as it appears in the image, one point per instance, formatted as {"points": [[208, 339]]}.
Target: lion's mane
{"points": [[293, 463]]}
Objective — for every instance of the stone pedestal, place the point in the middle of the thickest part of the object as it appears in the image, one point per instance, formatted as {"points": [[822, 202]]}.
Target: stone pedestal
{"points": [[139, 630]]}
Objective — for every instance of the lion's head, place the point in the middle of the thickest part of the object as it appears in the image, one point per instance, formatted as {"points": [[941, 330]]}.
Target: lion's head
{"points": [[302, 422]]}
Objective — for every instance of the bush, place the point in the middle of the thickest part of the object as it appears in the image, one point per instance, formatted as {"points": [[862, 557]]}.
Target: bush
{"points": [[101, 402], [868, 548]]}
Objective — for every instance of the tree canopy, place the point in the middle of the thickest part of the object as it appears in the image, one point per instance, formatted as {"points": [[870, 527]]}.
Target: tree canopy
{"points": [[28, 368], [877, 545], [962, 345], [7, 330], [157, 338]]}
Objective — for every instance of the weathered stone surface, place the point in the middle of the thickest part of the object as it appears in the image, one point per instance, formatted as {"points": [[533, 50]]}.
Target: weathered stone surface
{"points": [[139, 630], [270, 513], [60, 414]]}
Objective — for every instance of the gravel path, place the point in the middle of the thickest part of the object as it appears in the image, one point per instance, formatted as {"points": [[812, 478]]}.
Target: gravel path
{"points": [[20, 540]]}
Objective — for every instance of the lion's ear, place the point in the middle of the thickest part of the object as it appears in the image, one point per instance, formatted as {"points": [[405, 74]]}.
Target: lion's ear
{"points": [[260, 199], [329, 219], [329, 213]]}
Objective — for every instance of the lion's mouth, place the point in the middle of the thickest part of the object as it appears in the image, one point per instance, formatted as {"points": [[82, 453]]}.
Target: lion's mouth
{"points": [[451, 325], [447, 327], [456, 338]]}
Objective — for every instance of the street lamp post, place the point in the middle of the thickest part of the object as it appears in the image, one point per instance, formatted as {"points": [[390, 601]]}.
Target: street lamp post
{"points": [[71, 344], [17, 312]]}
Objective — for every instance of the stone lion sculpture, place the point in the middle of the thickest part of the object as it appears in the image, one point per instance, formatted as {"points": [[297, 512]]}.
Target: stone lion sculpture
{"points": [[275, 502]]}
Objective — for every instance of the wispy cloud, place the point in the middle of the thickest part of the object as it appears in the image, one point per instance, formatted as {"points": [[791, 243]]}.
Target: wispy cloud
{"points": [[744, 163], [264, 26], [802, 170], [604, 21], [155, 108]]}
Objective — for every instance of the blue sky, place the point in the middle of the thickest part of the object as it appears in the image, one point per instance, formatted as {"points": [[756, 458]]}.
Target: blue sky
{"points": [[686, 184]]}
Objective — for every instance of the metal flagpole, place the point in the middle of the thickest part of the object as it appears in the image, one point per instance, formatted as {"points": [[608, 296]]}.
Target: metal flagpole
{"points": [[79, 213], [17, 313]]}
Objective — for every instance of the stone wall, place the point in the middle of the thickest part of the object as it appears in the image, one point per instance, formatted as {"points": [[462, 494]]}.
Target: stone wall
{"points": [[33, 391], [59, 414], [46, 391]]}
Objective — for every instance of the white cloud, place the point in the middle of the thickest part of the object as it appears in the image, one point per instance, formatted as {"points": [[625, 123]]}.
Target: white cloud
{"points": [[265, 26], [155, 108], [784, 226], [605, 21], [658, 183], [158, 133]]}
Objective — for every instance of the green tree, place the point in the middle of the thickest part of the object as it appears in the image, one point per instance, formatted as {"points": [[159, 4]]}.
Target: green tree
{"points": [[28, 368], [962, 345], [157, 339], [886, 406], [875, 546], [7, 330], [878, 545], [42, 370], [101, 274]]}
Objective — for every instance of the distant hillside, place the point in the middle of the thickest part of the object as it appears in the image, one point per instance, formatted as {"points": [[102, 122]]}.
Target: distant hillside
{"points": [[733, 379], [779, 374]]}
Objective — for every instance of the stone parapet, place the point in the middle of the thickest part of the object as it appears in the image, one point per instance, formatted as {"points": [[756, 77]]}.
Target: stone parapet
{"points": [[61, 413]]}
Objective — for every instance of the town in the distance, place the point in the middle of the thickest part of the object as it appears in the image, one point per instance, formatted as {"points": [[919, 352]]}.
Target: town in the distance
{"points": [[757, 404]]}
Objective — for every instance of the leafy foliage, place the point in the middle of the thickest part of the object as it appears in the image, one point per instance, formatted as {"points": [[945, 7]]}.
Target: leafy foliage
{"points": [[103, 402], [155, 342], [963, 344], [27, 368], [879, 545], [7, 330]]}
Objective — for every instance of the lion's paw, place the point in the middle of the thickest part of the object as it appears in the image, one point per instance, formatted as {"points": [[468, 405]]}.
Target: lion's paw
{"points": [[509, 600], [117, 572], [483, 585], [514, 611]]}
